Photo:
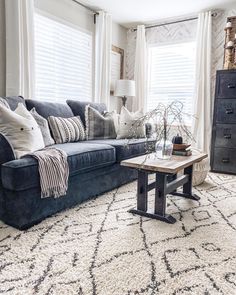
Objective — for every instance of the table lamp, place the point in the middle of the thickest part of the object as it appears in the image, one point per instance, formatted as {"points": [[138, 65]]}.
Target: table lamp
{"points": [[124, 88]]}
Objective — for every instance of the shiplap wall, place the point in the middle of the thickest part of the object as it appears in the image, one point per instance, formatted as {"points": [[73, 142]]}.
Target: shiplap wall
{"points": [[168, 34], [218, 39], [183, 32]]}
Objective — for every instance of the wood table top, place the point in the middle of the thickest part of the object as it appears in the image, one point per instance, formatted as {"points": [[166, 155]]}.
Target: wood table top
{"points": [[151, 163]]}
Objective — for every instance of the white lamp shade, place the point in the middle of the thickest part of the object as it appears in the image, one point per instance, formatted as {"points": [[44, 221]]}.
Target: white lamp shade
{"points": [[125, 88]]}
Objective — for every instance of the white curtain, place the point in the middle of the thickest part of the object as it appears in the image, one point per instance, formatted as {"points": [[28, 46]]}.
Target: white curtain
{"points": [[203, 104], [103, 57], [140, 71], [20, 48]]}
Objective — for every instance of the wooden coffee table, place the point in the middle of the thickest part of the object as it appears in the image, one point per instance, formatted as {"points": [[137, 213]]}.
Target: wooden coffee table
{"points": [[166, 182]]}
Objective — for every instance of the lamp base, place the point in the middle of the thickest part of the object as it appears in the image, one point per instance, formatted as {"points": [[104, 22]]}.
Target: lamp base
{"points": [[124, 99]]}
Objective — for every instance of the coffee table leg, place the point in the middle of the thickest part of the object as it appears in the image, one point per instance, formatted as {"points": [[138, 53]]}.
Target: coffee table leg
{"points": [[142, 192], [187, 187], [160, 199]]}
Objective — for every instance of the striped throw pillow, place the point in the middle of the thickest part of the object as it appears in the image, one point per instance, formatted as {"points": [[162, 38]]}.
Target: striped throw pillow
{"points": [[66, 129], [100, 126]]}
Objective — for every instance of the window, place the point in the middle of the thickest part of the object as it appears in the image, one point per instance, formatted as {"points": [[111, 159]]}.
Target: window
{"points": [[172, 75], [63, 61]]}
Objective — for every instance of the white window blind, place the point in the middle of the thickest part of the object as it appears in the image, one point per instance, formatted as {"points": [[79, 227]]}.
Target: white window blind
{"points": [[63, 61], [172, 75]]}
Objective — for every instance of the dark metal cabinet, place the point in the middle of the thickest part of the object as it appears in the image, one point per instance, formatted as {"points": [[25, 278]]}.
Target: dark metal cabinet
{"points": [[223, 147]]}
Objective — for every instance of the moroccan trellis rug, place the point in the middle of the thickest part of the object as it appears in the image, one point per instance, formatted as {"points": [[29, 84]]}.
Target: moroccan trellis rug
{"points": [[99, 248]]}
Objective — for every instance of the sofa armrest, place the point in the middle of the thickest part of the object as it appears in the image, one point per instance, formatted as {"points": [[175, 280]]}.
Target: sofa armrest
{"points": [[6, 150]]}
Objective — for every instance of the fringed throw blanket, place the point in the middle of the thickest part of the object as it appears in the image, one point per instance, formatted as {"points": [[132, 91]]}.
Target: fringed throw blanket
{"points": [[53, 172]]}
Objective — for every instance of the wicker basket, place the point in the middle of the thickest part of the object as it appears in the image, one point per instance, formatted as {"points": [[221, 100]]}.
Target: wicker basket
{"points": [[200, 170]]}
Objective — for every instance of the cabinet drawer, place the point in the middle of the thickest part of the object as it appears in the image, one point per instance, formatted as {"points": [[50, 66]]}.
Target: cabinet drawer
{"points": [[226, 87], [224, 160], [226, 111], [225, 135]]}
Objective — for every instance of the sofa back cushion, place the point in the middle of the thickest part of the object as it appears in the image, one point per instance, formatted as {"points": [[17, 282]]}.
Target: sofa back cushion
{"points": [[46, 109], [13, 101], [78, 108]]}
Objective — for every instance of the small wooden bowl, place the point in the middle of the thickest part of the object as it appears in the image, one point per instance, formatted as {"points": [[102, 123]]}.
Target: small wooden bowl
{"points": [[182, 146]]}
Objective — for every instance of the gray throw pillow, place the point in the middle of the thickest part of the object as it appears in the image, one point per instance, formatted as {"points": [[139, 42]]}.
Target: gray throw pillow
{"points": [[43, 125], [99, 126], [66, 129]]}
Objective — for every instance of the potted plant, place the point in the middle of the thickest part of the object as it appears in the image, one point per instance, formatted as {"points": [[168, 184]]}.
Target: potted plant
{"points": [[164, 118]]}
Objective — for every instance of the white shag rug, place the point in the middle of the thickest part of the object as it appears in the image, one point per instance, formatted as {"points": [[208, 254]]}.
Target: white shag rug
{"points": [[98, 248]]}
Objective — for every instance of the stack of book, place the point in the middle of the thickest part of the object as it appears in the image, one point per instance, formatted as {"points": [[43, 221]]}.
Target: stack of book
{"points": [[182, 150]]}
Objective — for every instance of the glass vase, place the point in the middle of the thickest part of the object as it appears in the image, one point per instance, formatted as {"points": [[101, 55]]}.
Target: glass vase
{"points": [[164, 149]]}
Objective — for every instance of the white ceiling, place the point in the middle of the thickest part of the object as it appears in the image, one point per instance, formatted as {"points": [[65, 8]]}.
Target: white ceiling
{"points": [[131, 12]]}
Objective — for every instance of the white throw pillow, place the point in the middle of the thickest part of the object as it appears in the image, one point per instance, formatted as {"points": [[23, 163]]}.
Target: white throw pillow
{"points": [[129, 127], [21, 130]]}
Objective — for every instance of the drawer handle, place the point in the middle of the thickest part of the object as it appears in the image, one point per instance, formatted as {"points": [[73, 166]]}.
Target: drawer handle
{"points": [[231, 86], [225, 160], [227, 136], [229, 111]]}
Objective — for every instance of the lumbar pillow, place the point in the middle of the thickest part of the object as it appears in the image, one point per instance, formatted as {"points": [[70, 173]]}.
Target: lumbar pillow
{"points": [[129, 124], [43, 125], [99, 126], [66, 129], [21, 129]]}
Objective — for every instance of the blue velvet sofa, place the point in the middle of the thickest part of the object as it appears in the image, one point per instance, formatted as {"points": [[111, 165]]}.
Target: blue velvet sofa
{"points": [[94, 169]]}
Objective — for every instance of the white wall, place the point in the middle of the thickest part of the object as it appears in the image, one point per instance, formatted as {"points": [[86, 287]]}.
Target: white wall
{"points": [[119, 36], [119, 39], [2, 49], [68, 11]]}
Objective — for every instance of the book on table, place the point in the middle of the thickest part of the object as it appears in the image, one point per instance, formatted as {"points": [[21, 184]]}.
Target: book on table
{"points": [[182, 152]]}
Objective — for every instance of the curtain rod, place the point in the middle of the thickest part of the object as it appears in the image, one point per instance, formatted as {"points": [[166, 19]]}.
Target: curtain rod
{"points": [[85, 6], [171, 23]]}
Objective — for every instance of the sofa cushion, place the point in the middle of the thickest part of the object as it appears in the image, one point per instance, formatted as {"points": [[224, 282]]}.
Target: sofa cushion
{"points": [[128, 148], [78, 108], [47, 109], [14, 100], [82, 157]]}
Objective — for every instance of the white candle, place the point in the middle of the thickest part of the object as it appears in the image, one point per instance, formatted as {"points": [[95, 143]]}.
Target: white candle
{"points": [[230, 44], [229, 25]]}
